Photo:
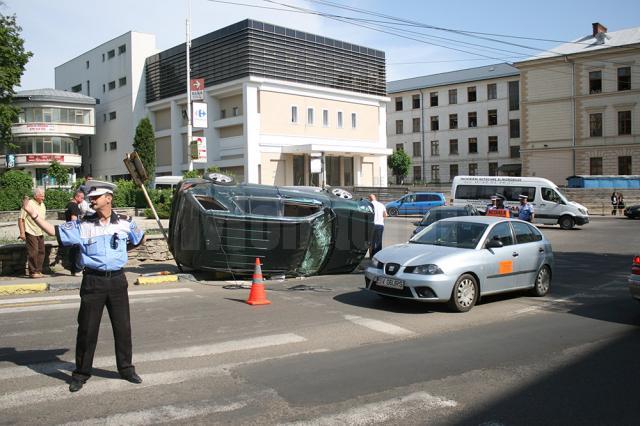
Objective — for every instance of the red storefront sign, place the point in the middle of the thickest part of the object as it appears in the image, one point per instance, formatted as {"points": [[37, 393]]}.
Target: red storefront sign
{"points": [[43, 158]]}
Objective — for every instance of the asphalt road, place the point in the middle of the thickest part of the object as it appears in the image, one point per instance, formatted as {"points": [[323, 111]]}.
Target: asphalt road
{"points": [[329, 352]]}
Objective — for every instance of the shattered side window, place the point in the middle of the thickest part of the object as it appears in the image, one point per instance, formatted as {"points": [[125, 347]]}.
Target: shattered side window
{"points": [[319, 246]]}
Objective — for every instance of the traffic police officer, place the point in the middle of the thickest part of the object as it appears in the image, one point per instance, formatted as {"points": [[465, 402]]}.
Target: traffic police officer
{"points": [[526, 210], [104, 239]]}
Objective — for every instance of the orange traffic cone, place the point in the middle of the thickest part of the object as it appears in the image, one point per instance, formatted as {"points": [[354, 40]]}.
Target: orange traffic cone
{"points": [[257, 295]]}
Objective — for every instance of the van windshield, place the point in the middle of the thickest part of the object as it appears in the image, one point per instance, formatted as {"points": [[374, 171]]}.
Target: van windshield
{"points": [[562, 196]]}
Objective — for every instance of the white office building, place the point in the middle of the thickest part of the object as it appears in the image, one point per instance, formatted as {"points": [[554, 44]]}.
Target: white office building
{"points": [[464, 122]]}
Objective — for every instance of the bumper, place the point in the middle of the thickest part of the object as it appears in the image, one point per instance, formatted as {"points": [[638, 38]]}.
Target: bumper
{"points": [[634, 286], [581, 220], [424, 288]]}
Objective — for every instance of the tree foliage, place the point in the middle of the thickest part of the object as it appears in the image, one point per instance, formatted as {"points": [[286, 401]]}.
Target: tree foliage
{"points": [[13, 59], [399, 163], [14, 184], [145, 145], [59, 173]]}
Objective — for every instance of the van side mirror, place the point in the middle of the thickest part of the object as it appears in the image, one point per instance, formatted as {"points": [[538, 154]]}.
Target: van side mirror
{"points": [[494, 244]]}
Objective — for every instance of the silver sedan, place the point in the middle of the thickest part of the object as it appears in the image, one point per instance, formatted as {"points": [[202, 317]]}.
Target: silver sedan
{"points": [[457, 260]]}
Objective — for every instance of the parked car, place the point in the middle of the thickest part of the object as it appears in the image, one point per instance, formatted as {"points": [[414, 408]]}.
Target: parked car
{"points": [[416, 203], [634, 279], [632, 212], [443, 212], [458, 260]]}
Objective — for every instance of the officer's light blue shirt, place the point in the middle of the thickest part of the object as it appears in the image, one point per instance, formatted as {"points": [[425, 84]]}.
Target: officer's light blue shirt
{"points": [[102, 246], [526, 212]]}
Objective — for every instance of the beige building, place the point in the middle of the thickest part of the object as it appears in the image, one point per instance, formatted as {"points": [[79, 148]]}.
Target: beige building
{"points": [[579, 107]]}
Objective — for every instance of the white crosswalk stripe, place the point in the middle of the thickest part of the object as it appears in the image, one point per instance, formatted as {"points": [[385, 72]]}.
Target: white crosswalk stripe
{"points": [[132, 293], [380, 326]]}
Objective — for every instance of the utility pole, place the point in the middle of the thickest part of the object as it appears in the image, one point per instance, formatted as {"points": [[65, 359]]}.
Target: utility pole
{"points": [[189, 128]]}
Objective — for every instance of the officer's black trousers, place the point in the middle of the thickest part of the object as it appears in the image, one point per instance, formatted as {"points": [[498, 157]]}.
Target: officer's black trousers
{"points": [[96, 292]]}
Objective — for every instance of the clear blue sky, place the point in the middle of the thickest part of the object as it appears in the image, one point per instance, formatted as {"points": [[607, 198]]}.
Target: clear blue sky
{"points": [[57, 31]]}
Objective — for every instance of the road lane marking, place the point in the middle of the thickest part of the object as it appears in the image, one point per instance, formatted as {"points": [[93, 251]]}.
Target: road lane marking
{"points": [[383, 411], [77, 297], [99, 386], [75, 305], [187, 352], [380, 326]]}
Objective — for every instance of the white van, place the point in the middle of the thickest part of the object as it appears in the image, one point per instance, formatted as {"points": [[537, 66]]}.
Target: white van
{"points": [[166, 182], [551, 206]]}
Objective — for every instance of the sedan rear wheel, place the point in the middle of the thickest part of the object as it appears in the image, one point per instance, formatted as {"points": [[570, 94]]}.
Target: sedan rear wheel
{"points": [[393, 211], [543, 282], [465, 294]]}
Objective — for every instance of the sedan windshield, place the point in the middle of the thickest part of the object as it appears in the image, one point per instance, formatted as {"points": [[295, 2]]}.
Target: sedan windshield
{"points": [[451, 234]]}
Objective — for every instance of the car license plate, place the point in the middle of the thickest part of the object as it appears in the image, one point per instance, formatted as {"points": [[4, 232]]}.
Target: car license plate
{"points": [[391, 283]]}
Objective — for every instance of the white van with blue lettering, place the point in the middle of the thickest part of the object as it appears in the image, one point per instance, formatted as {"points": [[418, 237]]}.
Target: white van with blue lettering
{"points": [[550, 204], [167, 182]]}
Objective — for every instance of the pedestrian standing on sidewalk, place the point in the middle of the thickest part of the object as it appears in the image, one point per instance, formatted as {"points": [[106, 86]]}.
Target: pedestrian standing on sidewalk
{"points": [[379, 213], [32, 235], [104, 239], [614, 203], [620, 204], [72, 214]]}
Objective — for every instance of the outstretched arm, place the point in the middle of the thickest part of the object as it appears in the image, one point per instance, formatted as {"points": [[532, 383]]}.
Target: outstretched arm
{"points": [[40, 221]]}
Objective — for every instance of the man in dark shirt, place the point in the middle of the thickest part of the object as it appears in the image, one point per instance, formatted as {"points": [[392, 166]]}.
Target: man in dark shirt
{"points": [[72, 214]]}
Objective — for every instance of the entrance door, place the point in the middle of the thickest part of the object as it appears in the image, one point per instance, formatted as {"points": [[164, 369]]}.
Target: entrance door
{"points": [[298, 170]]}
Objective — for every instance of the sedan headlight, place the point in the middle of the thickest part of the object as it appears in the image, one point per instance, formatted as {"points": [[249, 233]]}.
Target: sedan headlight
{"points": [[375, 263], [429, 269]]}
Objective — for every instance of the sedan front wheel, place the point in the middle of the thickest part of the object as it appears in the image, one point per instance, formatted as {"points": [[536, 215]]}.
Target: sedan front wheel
{"points": [[465, 293]]}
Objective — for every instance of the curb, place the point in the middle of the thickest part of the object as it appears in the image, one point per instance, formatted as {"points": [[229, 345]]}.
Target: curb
{"points": [[6, 290], [156, 280]]}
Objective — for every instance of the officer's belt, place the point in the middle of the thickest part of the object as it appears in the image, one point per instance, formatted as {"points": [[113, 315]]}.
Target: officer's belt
{"points": [[89, 271]]}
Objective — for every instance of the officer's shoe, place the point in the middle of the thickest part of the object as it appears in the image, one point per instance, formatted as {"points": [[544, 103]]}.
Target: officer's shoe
{"points": [[133, 378], [75, 385]]}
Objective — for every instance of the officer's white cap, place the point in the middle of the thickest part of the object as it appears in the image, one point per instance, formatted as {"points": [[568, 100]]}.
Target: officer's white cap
{"points": [[100, 188], [523, 196]]}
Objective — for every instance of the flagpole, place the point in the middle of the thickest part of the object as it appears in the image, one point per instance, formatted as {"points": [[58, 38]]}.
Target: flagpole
{"points": [[189, 127]]}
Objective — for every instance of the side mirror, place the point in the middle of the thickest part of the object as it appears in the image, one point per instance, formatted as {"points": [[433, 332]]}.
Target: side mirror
{"points": [[417, 223], [494, 244]]}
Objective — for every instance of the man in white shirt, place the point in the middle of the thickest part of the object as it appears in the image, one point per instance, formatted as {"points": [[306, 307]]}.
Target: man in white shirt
{"points": [[379, 213]]}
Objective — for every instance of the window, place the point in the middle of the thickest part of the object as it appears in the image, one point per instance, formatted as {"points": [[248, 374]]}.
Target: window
{"points": [[104, 88], [435, 124], [105, 147], [113, 145], [103, 61], [223, 114], [473, 145], [310, 116], [492, 91], [325, 117], [471, 94], [514, 95], [453, 171], [473, 169], [112, 115], [473, 119], [624, 122], [399, 127], [122, 49], [416, 125], [122, 81], [514, 128], [77, 88], [453, 146], [525, 233], [492, 117], [514, 152], [399, 103], [435, 173], [87, 64], [111, 54], [624, 165], [340, 119], [595, 82], [399, 147], [415, 101], [354, 120], [453, 96], [624, 78], [416, 149], [88, 89], [595, 165], [549, 194], [417, 173], [433, 97], [112, 85], [435, 148], [104, 117], [453, 121], [493, 169], [595, 125], [493, 144], [235, 111], [294, 114]]}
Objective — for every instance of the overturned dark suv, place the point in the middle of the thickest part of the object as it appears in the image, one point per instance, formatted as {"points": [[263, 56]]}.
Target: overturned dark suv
{"points": [[217, 225]]}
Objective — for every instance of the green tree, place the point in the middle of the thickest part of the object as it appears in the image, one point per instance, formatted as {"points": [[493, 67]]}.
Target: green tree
{"points": [[14, 184], [13, 59], [195, 173], [399, 163], [145, 145], [58, 173]]}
